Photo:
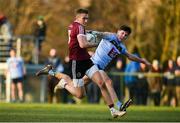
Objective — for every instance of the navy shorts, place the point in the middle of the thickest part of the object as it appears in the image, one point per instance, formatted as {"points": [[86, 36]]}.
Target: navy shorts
{"points": [[16, 80]]}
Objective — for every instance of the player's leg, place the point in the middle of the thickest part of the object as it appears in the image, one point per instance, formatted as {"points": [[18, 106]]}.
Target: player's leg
{"points": [[99, 81], [71, 85], [86, 80], [65, 81], [13, 90], [95, 75], [76, 86], [110, 88], [20, 90], [119, 105]]}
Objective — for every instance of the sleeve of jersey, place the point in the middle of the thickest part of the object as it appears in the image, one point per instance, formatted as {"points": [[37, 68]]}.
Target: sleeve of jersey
{"points": [[22, 60], [81, 29], [124, 50], [109, 37]]}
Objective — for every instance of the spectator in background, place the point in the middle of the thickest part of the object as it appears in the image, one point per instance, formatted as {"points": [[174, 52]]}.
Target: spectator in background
{"points": [[155, 84], [118, 82], [17, 71], [5, 29], [93, 93], [5, 36], [131, 80], [177, 73], [52, 81], [142, 86], [66, 65], [169, 91], [39, 32]]}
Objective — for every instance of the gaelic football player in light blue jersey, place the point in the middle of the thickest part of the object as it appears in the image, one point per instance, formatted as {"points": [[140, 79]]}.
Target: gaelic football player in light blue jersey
{"points": [[110, 46]]}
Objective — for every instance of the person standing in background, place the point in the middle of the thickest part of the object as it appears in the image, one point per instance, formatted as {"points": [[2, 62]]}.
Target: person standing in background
{"points": [[169, 85], [155, 83], [142, 86], [5, 29], [52, 81], [130, 80], [17, 71], [39, 34], [118, 82], [177, 73], [39, 31]]}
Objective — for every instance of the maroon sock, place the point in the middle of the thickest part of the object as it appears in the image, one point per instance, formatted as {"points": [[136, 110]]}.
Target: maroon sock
{"points": [[111, 105]]}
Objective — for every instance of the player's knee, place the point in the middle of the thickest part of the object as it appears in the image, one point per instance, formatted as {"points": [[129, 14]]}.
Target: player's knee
{"points": [[108, 82], [101, 84], [80, 96], [66, 77]]}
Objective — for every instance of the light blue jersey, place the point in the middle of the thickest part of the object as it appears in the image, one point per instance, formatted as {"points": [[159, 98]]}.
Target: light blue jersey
{"points": [[108, 48], [15, 67]]}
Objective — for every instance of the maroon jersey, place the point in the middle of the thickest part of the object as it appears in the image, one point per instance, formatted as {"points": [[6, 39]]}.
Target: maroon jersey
{"points": [[75, 51]]}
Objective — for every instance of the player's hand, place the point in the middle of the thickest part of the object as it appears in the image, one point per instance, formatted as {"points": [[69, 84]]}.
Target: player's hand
{"points": [[93, 32], [148, 64], [89, 31]]}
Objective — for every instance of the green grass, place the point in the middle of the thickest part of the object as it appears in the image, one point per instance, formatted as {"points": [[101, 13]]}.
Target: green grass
{"points": [[82, 113]]}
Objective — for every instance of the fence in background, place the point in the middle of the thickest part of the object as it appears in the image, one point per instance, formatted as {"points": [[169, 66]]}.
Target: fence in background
{"points": [[18, 42], [33, 80]]}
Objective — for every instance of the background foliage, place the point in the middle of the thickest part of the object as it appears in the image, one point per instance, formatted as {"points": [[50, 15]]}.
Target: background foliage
{"points": [[155, 23]]}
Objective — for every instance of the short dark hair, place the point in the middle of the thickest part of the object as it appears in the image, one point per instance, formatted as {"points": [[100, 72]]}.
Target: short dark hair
{"points": [[12, 49], [82, 11], [125, 28]]}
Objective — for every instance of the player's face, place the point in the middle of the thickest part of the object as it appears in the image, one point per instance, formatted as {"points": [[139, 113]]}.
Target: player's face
{"points": [[83, 18], [178, 61], [122, 35], [170, 64], [12, 53]]}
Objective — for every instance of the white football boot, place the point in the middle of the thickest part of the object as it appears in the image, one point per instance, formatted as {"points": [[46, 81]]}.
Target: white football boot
{"points": [[115, 113]]}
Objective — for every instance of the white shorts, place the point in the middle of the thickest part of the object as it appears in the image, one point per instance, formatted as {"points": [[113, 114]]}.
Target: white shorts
{"points": [[78, 82], [91, 71]]}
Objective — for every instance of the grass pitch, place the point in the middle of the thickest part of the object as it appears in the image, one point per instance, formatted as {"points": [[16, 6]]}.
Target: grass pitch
{"points": [[83, 113]]}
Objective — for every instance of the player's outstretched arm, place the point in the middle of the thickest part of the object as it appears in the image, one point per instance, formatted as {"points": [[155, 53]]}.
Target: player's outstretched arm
{"points": [[137, 59]]}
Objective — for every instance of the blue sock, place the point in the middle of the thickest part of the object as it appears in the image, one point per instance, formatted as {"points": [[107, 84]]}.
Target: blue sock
{"points": [[52, 73], [118, 104]]}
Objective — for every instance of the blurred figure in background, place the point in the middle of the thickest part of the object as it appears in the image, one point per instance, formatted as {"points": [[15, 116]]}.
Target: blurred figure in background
{"points": [[39, 32], [155, 84], [5, 37], [5, 29], [118, 82], [131, 80], [169, 89], [52, 81], [142, 86], [17, 71], [177, 73], [93, 93]]}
